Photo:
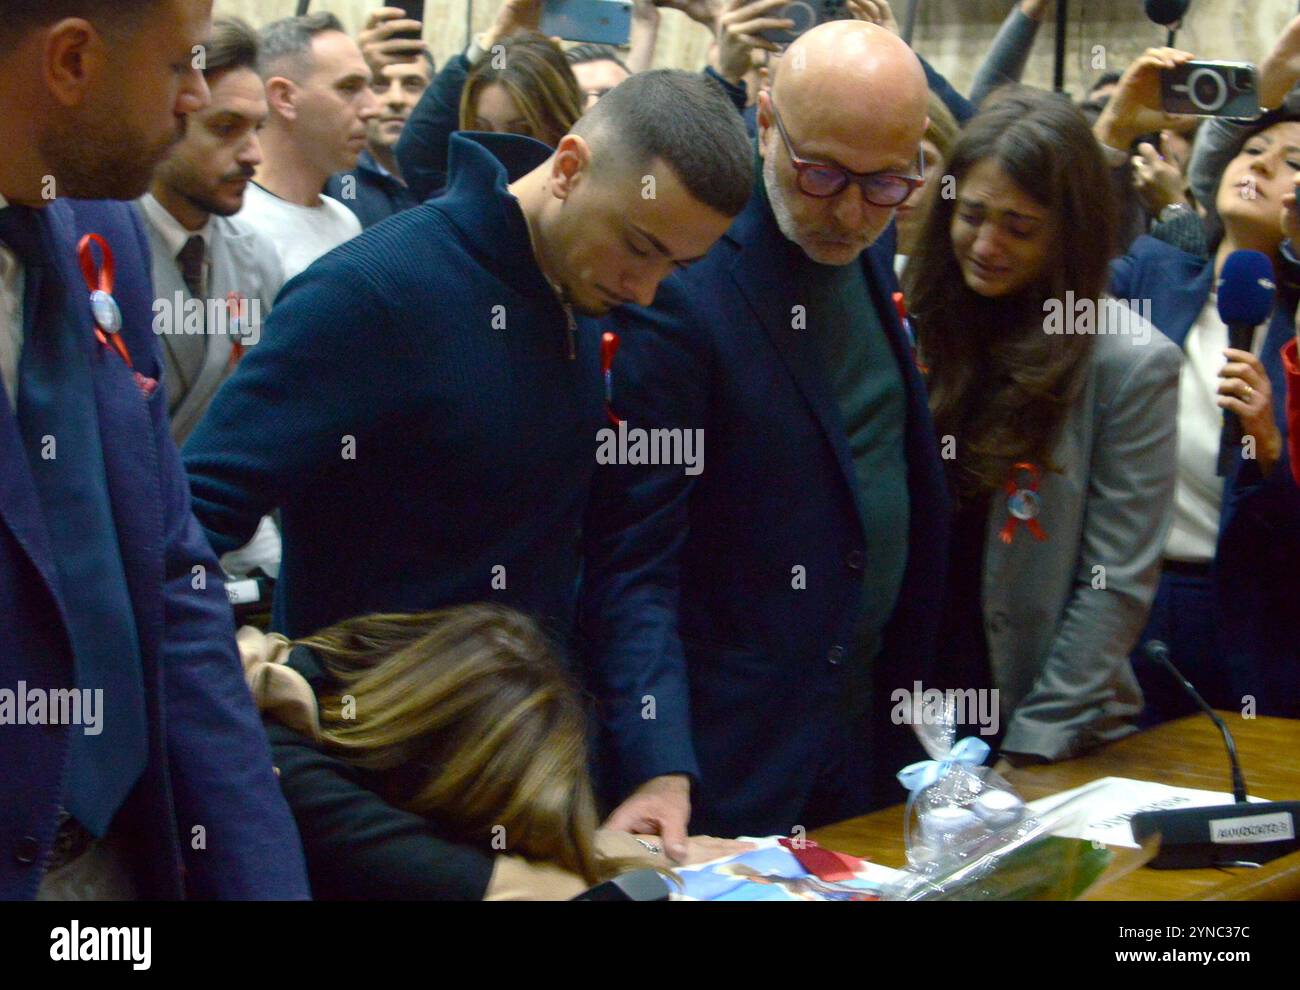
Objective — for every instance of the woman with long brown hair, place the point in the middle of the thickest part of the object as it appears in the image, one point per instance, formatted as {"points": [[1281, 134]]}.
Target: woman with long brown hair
{"points": [[436, 755], [526, 87], [1054, 409], [511, 79]]}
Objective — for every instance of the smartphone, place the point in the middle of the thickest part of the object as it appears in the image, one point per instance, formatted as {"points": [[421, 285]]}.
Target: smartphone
{"points": [[806, 14], [606, 22], [1211, 89], [414, 11]]}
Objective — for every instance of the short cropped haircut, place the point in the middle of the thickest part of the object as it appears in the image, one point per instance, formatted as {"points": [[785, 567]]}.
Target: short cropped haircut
{"points": [[291, 38], [233, 45], [21, 16], [685, 120], [591, 52]]}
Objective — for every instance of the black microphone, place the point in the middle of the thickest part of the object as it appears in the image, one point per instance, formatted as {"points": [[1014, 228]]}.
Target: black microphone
{"points": [[1246, 296], [1167, 13], [635, 885], [1191, 838], [302, 7]]}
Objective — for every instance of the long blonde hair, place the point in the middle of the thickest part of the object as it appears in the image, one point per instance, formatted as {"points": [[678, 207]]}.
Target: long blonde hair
{"points": [[469, 718], [537, 76]]}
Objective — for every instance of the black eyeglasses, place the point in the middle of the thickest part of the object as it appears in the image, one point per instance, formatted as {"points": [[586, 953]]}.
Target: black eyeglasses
{"points": [[822, 181]]}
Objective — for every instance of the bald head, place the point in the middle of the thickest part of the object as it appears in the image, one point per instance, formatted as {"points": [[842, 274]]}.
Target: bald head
{"points": [[861, 80], [854, 96]]}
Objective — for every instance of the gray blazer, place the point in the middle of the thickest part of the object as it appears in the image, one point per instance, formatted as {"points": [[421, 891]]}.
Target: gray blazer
{"points": [[239, 260], [1061, 616]]}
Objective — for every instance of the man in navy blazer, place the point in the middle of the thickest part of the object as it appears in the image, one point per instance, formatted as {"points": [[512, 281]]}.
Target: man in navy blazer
{"points": [[132, 760], [745, 625]]}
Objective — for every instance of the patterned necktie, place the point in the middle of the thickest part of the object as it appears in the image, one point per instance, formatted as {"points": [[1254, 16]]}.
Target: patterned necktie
{"points": [[191, 259]]}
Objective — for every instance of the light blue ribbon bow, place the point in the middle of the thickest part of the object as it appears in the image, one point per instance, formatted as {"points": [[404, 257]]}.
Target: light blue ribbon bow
{"points": [[970, 752]]}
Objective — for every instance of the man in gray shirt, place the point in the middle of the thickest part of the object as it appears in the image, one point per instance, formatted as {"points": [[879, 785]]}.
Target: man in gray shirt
{"points": [[214, 276]]}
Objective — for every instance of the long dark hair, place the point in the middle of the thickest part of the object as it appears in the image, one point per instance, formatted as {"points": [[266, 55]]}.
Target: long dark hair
{"points": [[999, 384], [1289, 112]]}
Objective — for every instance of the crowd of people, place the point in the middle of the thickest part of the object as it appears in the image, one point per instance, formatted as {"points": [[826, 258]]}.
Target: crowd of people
{"points": [[618, 443]]}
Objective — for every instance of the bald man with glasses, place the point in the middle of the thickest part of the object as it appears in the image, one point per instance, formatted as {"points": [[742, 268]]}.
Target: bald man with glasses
{"points": [[746, 625]]}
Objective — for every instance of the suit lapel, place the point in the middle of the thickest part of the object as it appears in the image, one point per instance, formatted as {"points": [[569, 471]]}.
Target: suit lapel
{"points": [[1186, 300], [764, 251], [20, 505], [126, 432]]}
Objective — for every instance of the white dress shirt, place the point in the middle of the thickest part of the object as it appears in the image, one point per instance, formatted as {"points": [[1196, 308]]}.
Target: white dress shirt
{"points": [[170, 230], [1198, 494], [12, 278]]}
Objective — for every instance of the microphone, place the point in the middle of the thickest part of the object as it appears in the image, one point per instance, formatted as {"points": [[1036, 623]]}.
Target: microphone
{"points": [[1167, 13], [1246, 295], [635, 885], [1191, 838]]}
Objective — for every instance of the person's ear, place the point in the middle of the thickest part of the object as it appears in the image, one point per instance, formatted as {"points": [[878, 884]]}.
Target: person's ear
{"points": [[571, 161], [74, 57], [282, 97]]}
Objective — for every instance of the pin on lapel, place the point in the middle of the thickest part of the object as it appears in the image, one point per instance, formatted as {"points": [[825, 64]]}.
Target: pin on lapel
{"points": [[104, 309]]}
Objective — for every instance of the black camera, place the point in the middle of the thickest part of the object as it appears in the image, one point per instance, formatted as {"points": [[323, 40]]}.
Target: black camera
{"points": [[1211, 89], [806, 14]]}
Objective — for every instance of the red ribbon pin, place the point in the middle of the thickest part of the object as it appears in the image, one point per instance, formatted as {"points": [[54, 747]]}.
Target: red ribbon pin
{"points": [[1023, 504], [103, 307]]}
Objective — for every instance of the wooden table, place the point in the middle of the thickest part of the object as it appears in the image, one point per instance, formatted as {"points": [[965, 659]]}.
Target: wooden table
{"points": [[1185, 753]]}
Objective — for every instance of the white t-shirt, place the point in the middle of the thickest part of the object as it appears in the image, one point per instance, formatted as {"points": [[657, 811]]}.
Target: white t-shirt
{"points": [[301, 234], [1198, 491]]}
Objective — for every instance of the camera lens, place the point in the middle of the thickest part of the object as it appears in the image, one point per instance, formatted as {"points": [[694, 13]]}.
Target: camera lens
{"points": [[1207, 90]]}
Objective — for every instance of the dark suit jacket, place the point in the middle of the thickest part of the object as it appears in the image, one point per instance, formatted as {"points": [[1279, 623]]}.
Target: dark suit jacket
{"points": [[689, 596], [374, 195], [209, 764], [1254, 573]]}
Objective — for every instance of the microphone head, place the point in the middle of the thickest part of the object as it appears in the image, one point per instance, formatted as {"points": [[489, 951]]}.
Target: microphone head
{"points": [[1166, 12], [1157, 651], [1246, 288]]}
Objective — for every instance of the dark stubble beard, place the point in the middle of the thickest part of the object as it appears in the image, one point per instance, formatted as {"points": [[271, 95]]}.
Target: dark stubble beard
{"points": [[92, 156]]}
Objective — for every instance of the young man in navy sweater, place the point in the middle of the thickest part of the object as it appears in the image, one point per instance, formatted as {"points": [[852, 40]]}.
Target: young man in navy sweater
{"points": [[424, 406]]}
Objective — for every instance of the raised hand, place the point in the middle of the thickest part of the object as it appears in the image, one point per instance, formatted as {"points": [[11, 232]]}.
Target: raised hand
{"points": [[1135, 108], [379, 46]]}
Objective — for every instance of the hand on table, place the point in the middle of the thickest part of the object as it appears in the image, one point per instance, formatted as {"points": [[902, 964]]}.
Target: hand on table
{"points": [[661, 806]]}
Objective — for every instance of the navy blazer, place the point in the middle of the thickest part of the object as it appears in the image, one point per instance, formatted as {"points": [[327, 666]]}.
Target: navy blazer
{"points": [[1256, 584], [207, 816], [707, 656]]}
